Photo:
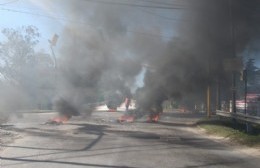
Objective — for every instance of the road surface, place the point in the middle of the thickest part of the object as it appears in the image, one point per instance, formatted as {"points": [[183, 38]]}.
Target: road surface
{"points": [[101, 142]]}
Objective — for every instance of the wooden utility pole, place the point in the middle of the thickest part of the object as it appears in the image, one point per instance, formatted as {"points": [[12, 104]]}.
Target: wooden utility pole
{"points": [[52, 44], [208, 102], [218, 103], [209, 91], [245, 83], [233, 48]]}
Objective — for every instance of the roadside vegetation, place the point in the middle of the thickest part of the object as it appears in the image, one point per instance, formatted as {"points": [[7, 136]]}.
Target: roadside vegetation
{"points": [[235, 132]]}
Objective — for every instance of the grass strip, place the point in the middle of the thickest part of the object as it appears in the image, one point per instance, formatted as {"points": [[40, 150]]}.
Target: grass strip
{"points": [[235, 132]]}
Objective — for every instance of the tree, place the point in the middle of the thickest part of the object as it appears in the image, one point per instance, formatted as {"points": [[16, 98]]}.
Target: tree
{"points": [[24, 67], [17, 53]]}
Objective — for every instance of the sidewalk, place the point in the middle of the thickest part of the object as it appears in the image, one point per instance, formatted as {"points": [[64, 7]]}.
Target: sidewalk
{"points": [[181, 118]]}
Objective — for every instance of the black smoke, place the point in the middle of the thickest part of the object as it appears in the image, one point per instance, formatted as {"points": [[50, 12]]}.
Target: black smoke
{"points": [[106, 52], [214, 31], [94, 60]]}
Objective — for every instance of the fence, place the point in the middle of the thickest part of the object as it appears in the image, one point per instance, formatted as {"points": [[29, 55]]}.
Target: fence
{"points": [[240, 116]]}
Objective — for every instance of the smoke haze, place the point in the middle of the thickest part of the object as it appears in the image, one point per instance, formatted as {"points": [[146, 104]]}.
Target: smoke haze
{"points": [[108, 53], [195, 60]]}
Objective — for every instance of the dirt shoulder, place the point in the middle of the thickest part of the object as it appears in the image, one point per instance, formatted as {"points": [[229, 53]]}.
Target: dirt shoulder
{"points": [[252, 151]]}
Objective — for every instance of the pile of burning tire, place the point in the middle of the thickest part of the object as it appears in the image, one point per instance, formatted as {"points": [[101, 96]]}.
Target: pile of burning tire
{"points": [[132, 115]]}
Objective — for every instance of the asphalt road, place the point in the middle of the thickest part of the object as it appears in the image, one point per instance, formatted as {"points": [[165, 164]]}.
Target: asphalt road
{"points": [[100, 141]]}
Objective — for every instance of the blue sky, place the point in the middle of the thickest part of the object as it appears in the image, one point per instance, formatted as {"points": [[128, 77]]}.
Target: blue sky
{"points": [[23, 13], [48, 17]]}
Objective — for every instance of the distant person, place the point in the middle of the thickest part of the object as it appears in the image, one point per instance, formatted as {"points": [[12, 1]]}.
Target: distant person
{"points": [[127, 103]]}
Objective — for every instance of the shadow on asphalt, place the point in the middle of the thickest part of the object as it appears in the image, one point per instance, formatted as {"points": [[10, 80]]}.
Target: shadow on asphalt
{"points": [[218, 163], [175, 124], [62, 162], [215, 163], [185, 115], [100, 131]]}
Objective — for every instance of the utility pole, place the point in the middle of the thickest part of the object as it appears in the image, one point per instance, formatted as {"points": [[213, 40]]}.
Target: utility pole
{"points": [[218, 104], [54, 57], [244, 77], [233, 43], [52, 44], [208, 102], [209, 91], [245, 83]]}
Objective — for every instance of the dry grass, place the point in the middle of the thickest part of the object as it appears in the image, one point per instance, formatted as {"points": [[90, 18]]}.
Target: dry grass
{"points": [[236, 132]]}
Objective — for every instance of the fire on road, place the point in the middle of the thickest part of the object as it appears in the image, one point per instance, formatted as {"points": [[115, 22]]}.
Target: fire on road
{"points": [[99, 141]]}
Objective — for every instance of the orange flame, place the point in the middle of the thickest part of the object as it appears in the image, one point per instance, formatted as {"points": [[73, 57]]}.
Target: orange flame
{"points": [[153, 118], [60, 119]]}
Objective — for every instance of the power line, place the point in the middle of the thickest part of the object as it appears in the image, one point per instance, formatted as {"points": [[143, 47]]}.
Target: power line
{"points": [[159, 3], [164, 17], [137, 5], [147, 6], [9, 2], [150, 34], [83, 23], [37, 14]]}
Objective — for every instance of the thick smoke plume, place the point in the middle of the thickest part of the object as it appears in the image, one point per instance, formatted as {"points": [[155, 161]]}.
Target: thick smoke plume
{"points": [[94, 60], [13, 100], [215, 30], [105, 55]]}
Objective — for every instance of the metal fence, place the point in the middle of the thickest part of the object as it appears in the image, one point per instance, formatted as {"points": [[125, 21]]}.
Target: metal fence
{"points": [[240, 116]]}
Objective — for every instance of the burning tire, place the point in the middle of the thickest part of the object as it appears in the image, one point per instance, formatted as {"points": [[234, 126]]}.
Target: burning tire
{"points": [[126, 118], [58, 120], [153, 118]]}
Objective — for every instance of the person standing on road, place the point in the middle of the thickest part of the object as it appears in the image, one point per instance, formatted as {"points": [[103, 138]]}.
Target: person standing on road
{"points": [[127, 103]]}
